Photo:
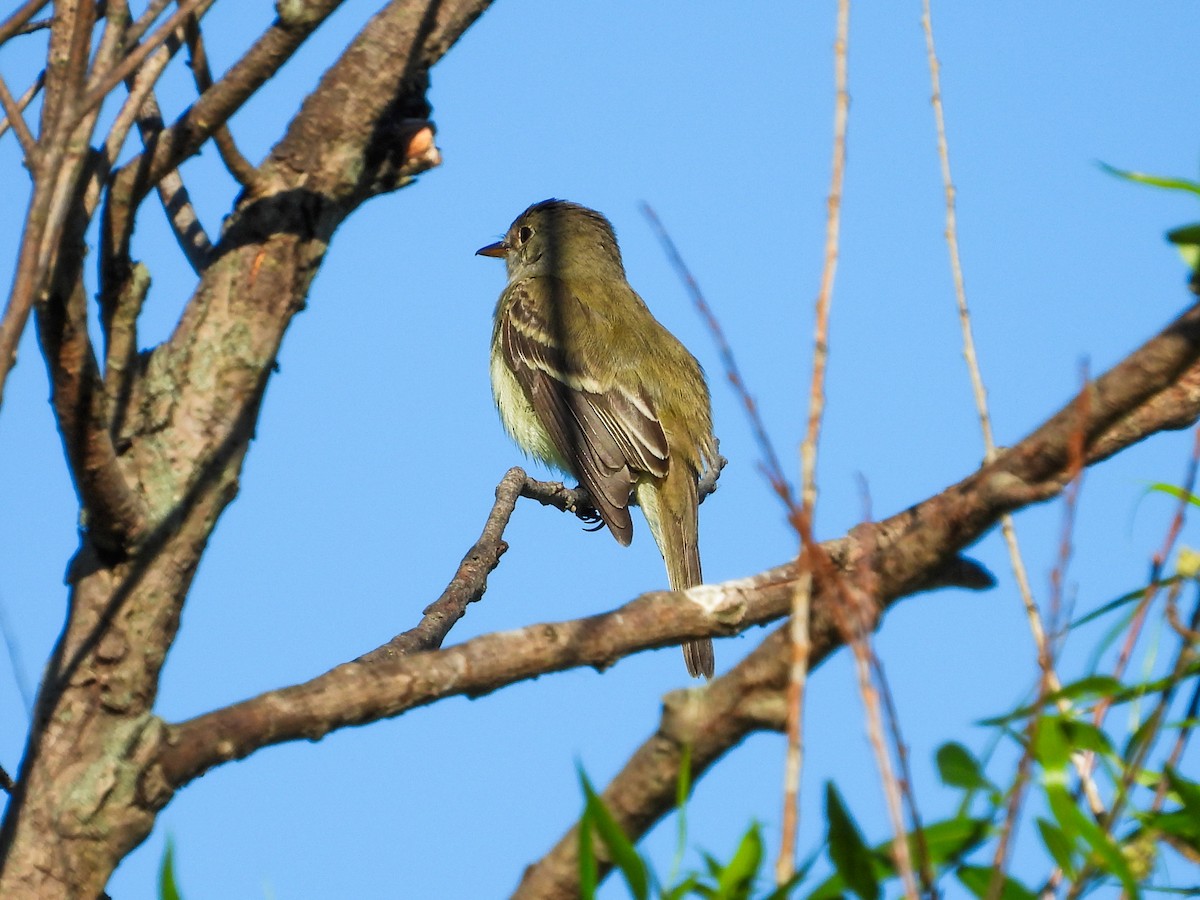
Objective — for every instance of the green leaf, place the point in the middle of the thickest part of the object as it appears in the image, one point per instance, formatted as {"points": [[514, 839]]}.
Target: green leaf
{"points": [[1052, 749], [1185, 234], [1159, 181], [1181, 826], [1075, 823], [1142, 688], [847, 850], [1187, 791], [1061, 849], [167, 888], [1187, 239], [689, 885], [976, 879], [589, 872], [948, 840], [624, 855], [735, 880], [1086, 736], [1087, 687], [958, 768], [713, 865], [1123, 600], [683, 789], [784, 891], [1175, 491], [1144, 732]]}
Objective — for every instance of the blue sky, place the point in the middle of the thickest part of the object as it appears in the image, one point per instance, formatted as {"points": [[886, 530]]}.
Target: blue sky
{"points": [[378, 448]]}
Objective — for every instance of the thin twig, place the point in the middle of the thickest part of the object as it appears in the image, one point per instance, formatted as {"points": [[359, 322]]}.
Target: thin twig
{"points": [[141, 87], [103, 84], [1139, 615], [14, 662], [770, 460], [469, 581], [1048, 680], [979, 391], [1181, 739], [35, 26], [25, 99], [149, 16], [1007, 527], [854, 618], [1183, 661], [769, 464], [13, 117], [924, 867], [861, 650], [239, 167], [12, 26], [802, 597], [172, 192]]}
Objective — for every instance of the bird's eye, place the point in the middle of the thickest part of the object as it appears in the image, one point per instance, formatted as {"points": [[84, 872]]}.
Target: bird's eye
{"points": [[524, 233]]}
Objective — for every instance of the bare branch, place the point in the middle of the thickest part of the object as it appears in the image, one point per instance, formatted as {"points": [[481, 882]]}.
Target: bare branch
{"points": [[115, 515], [119, 321], [185, 224], [14, 24], [26, 99], [644, 790], [176, 202], [239, 167], [56, 170], [149, 16], [139, 105], [14, 118], [224, 98], [469, 582], [910, 552], [103, 83]]}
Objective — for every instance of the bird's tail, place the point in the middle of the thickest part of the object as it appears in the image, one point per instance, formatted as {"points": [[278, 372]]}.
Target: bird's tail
{"points": [[672, 511]]}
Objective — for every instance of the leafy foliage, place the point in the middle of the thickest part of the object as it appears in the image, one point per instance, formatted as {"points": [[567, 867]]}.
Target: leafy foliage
{"points": [[1104, 794]]}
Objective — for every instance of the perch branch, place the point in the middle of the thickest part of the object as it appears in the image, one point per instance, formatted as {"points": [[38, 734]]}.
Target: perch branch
{"points": [[912, 551], [469, 582]]}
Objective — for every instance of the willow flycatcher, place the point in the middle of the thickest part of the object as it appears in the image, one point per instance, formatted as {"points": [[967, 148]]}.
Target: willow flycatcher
{"points": [[587, 380]]}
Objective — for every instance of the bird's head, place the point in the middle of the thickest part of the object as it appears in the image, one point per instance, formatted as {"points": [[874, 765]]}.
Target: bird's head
{"points": [[559, 238]]}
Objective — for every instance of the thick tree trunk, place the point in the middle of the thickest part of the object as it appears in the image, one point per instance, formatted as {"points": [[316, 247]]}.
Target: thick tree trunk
{"points": [[156, 441]]}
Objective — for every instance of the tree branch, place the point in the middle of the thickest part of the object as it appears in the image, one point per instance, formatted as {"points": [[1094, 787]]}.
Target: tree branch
{"points": [[704, 725], [469, 582], [644, 791], [223, 99], [239, 167], [15, 120], [14, 24], [25, 100], [104, 81], [913, 551]]}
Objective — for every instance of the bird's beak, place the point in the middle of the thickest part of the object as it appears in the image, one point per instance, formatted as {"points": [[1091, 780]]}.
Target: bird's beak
{"points": [[498, 249]]}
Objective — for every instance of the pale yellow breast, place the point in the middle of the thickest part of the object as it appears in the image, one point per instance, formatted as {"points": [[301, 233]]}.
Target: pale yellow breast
{"points": [[517, 414]]}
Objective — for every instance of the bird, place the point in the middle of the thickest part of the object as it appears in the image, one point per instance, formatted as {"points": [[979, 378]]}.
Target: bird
{"points": [[586, 380]]}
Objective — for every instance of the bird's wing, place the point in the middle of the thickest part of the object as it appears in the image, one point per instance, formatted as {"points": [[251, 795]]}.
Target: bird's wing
{"points": [[608, 433]]}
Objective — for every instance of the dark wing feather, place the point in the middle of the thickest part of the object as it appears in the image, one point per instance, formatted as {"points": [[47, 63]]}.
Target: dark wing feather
{"points": [[607, 437]]}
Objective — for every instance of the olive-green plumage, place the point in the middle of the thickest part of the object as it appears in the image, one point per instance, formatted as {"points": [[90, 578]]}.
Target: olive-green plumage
{"points": [[587, 380]]}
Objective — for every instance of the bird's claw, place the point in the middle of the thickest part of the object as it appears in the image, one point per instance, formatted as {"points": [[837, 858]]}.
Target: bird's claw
{"points": [[591, 518]]}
